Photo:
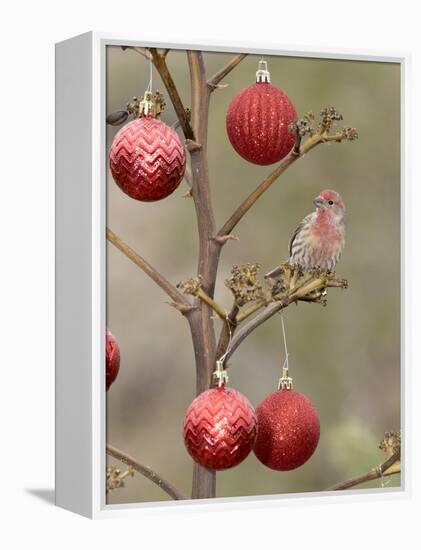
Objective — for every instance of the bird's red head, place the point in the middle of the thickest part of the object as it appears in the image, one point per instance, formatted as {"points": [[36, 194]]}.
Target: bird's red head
{"points": [[329, 199]]}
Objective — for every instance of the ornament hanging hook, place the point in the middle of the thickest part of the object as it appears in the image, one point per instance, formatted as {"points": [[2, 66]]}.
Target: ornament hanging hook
{"points": [[228, 322], [149, 88], [220, 375], [151, 104], [286, 362], [285, 382], [383, 482]]}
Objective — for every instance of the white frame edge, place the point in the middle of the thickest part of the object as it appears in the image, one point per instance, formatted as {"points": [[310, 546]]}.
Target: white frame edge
{"points": [[80, 278]]}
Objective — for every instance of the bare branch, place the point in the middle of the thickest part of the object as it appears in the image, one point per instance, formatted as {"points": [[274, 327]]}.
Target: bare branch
{"points": [[301, 128], [182, 114], [248, 328], [225, 238], [177, 123], [255, 306], [193, 286], [141, 51], [201, 294], [159, 279], [390, 467], [147, 472], [221, 74], [228, 328], [245, 206], [300, 286], [297, 145], [183, 309]]}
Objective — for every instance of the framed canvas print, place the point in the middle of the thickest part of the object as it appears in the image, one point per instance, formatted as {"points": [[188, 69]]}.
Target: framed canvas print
{"points": [[230, 275]]}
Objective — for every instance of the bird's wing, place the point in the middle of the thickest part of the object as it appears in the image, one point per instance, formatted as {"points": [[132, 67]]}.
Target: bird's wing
{"points": [[303, 223]]}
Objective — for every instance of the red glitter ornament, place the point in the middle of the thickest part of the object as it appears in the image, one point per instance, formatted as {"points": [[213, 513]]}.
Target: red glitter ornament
{"points": [[258, 121], [112, 359], [288, 430], [219, 428], [147, 158]]}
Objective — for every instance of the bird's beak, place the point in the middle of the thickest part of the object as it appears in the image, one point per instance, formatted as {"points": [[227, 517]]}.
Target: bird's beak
{"points": [[318, 202]]}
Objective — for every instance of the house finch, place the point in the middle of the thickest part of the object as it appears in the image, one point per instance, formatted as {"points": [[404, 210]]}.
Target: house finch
{"points": [[320, 237]]}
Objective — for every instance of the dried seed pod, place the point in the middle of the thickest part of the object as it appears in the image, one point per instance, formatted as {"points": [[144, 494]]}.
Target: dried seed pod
{"points": [[244, 283]]}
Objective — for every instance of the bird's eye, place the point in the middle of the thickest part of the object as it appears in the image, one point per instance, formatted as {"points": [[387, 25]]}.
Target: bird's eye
{"points": [[330, 202]]}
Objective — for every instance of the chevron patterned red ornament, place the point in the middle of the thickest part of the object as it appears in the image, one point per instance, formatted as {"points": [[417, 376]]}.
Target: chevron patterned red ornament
{"points": [[288, 430], [147, 159], [258, 120], [112, 359], [219, 428]]}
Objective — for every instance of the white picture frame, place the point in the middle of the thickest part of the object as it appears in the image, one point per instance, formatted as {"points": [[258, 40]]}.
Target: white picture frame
{"points": [[80, 277]]}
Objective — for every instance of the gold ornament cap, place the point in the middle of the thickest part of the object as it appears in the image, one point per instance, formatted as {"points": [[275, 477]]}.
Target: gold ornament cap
{"points": [[151, 104], [285, 382], [220, 375], [262, 73]]}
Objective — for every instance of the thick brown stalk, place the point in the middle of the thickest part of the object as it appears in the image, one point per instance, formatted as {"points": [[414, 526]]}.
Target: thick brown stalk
{"points": [[201, 322], [146, 471], [200, 318]]}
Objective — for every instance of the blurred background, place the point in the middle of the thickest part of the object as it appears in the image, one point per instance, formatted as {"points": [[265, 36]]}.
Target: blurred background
{"points": [[345, 357]]}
